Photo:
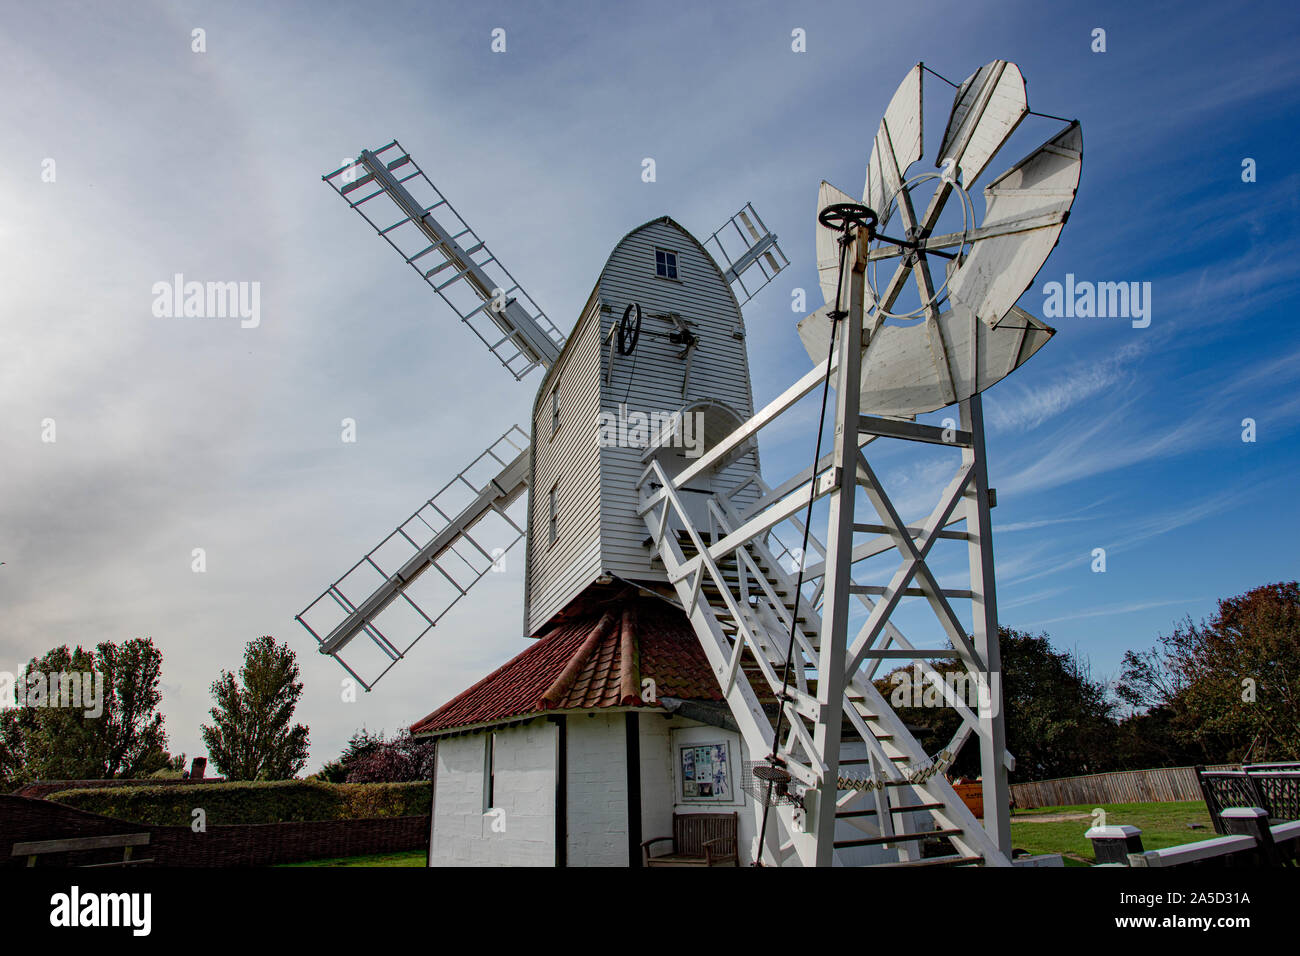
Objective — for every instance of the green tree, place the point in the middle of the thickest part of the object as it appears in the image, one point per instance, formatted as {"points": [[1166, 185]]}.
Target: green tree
{"points": [[1152, 739], [1231, 685], [13, 750], [362, 744], [121, 735], [1059, 720], [251, 737]]}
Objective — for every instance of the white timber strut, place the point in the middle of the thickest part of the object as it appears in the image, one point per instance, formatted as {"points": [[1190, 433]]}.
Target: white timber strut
{"points": [[979, 529], [831, 675]]}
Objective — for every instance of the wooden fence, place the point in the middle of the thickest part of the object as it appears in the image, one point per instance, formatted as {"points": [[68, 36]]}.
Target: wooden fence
{"points": [[1128, 786], [23, 819]]}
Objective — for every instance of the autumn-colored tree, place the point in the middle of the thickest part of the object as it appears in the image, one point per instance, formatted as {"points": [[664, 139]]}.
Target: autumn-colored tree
{"points": [[1230, 684], [402, 759], [251, 736]]}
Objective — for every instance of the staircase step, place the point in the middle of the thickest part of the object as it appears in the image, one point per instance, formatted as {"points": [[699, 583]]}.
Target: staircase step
{"points": [[864, 761], [897, 838], [939, 861], [906, 808]]}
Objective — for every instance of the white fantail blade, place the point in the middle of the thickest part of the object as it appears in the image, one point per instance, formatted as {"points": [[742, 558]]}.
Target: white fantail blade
{"points": [[973, 335], [815, 332], [898, 144], [987, 109], [1026, 208], [828, 248], [900, 376]]}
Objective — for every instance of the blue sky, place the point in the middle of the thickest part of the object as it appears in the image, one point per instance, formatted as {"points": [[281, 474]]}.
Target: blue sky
{"points": [[174, 435]]}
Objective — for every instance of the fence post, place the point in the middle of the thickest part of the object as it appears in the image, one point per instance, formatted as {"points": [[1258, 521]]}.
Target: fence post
{"points": [[1253, 821], [1111, 845]]}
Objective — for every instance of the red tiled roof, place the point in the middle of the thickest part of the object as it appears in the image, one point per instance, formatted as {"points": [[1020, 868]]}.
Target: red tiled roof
{"points": [[591, 661]]}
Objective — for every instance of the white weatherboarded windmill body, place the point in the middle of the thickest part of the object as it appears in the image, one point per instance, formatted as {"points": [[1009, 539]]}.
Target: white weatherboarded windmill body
{"points": [[688, 677]]}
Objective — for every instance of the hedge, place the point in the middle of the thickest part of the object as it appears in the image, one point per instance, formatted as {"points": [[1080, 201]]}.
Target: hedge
{"points": [[279, 801]]}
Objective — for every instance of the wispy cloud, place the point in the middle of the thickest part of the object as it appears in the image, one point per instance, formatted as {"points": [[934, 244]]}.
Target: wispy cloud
{"points": [[1031, 566], [1007, 605], [1033, 525], [1109, 611], [1021, 408]]}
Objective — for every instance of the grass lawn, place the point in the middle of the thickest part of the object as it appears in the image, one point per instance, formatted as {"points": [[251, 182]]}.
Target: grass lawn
{"points": [[412, 858], [1162, 825], [1038, 831]]}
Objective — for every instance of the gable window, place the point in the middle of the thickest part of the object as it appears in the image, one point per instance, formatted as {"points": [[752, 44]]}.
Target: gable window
{"points": [[555, 410], [665, 264], [554, 512]]}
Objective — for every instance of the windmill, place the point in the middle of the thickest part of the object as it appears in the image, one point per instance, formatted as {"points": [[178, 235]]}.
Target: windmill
{"points": [[844, 778], [371, 616]]}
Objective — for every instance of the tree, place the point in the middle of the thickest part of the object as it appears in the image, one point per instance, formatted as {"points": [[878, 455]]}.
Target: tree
{"points": [[399, 760], [1231, 684], [13, 750], [1059, 720], [361, 744], [109, 727], [1152, 739], [250, 737]]}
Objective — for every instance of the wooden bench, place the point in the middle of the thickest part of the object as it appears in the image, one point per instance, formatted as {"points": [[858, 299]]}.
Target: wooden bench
{"points": [[128, 842], [699, 839]]}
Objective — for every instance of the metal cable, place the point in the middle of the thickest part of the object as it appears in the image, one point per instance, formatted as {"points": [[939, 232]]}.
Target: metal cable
{"points": [[1051, 116], [940, 76]]}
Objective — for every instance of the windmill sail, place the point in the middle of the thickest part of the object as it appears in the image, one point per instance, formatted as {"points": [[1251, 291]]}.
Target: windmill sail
{"points": [[1026, 208], [394, 195], [400, 589], [900, 376], [746, 252]]}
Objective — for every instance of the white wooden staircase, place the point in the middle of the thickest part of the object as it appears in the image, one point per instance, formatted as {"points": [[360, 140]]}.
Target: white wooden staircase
{"points": [[890, 796]]}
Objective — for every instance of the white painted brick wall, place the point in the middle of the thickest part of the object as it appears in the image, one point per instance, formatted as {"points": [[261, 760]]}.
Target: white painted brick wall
{"points": [[657, 777], [524, 790], [597, 792], [597, 758]]}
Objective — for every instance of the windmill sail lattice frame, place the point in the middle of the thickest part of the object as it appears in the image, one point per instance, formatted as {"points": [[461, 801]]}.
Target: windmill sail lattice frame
{"points": [[403, 206], [456, 537]]}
